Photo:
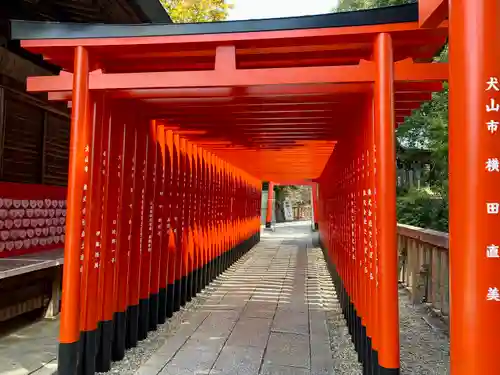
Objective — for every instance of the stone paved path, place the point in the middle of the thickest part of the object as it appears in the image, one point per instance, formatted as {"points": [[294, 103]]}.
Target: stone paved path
{"points": [[273, 312], [265, 316]]}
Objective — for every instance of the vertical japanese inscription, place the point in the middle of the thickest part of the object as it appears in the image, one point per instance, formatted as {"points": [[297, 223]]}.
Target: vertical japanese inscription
{"points": [[492, 166], [84, 205], [131, 209], [143, 197]]}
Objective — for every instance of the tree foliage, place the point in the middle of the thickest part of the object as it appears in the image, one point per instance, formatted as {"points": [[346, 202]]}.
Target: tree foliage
{"points": [[347, 5], [421, 208], [426, 129], [187, 11]]}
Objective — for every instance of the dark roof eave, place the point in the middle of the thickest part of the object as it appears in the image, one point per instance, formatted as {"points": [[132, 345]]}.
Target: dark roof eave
{"points": [[26, 30], [150, 11]]}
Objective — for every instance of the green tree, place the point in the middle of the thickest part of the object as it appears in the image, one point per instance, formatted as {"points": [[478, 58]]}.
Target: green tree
{"points": [[347, 5], [426, 129], [187, 11]]}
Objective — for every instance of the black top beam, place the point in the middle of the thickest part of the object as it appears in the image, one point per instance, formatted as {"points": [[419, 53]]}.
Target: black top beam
{"points": [[152, 11], [25, 30]]}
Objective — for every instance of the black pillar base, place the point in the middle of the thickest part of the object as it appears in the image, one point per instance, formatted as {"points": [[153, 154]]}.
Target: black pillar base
{"points": [[87, 362], [363, 346], [216, 266], [268, 224], [119, 334], [103, 360], [170, 300], [368, 357], [162, 305], [183, 290], [154, 301], [388, 371], [208, 274], [67, 363], [213, 269], [189, 287], [143, 319], [224, 260], [194, 283], [177, 294], [200, 282], [132, 326], [375, 365]]}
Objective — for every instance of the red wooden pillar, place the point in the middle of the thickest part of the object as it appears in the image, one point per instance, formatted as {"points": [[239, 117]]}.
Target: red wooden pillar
{"points": [[191, 256], [162, 223], [176, 220], [173, 273], [314, 192], [225, 214], [270, 205], [200, 249], [146, 229], [385, 143], [194, 220], [209, 181], [370, 249], [158, 261], [183, 220], [141, 134], [204, 215], [112, 165], [124, 243], [81, 135], [92, 265], [474, 186], [213, 216], [217, 214]]}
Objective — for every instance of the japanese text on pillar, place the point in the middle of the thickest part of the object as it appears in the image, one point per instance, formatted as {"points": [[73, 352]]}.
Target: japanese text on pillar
{"points": [[492, 165]]}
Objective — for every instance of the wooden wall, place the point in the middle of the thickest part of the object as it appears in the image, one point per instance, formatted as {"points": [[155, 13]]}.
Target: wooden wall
{"points": [[34, 139]]}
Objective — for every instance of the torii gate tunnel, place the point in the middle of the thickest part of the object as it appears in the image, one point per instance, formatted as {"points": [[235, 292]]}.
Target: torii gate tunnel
{"points": [[175, 126]]}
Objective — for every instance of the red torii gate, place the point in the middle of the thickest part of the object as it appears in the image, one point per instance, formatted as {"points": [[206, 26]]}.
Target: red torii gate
{"points": [[155, 211]]}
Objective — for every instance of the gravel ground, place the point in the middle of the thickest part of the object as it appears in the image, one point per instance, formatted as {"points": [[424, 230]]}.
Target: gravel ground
{"points": [[345, 358], [424, 350]]}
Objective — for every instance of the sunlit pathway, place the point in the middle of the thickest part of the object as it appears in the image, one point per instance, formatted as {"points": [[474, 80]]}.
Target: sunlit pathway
{"points": [[266, 315], [274, 312]]}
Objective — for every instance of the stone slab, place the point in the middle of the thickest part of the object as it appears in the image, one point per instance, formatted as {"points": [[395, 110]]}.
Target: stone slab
{"points": [[288, 349], [250, 332], [235, 360], [283, 370]]}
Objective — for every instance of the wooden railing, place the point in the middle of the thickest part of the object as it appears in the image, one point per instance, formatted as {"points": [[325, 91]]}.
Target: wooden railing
{"points": [[424, 266]]}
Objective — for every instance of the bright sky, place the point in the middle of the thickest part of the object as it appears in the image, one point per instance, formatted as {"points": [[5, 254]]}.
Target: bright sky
{"points": [[255, 9]]}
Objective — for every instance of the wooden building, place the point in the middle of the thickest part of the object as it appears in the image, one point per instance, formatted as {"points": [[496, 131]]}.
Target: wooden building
{"points": [[34, 133]]}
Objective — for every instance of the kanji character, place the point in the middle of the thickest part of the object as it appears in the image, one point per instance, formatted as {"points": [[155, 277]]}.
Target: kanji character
{"points": [[493, 106], [493, 208], [492, 126], [493, 295], [493, 165], [492, 251], [492, 84]]}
